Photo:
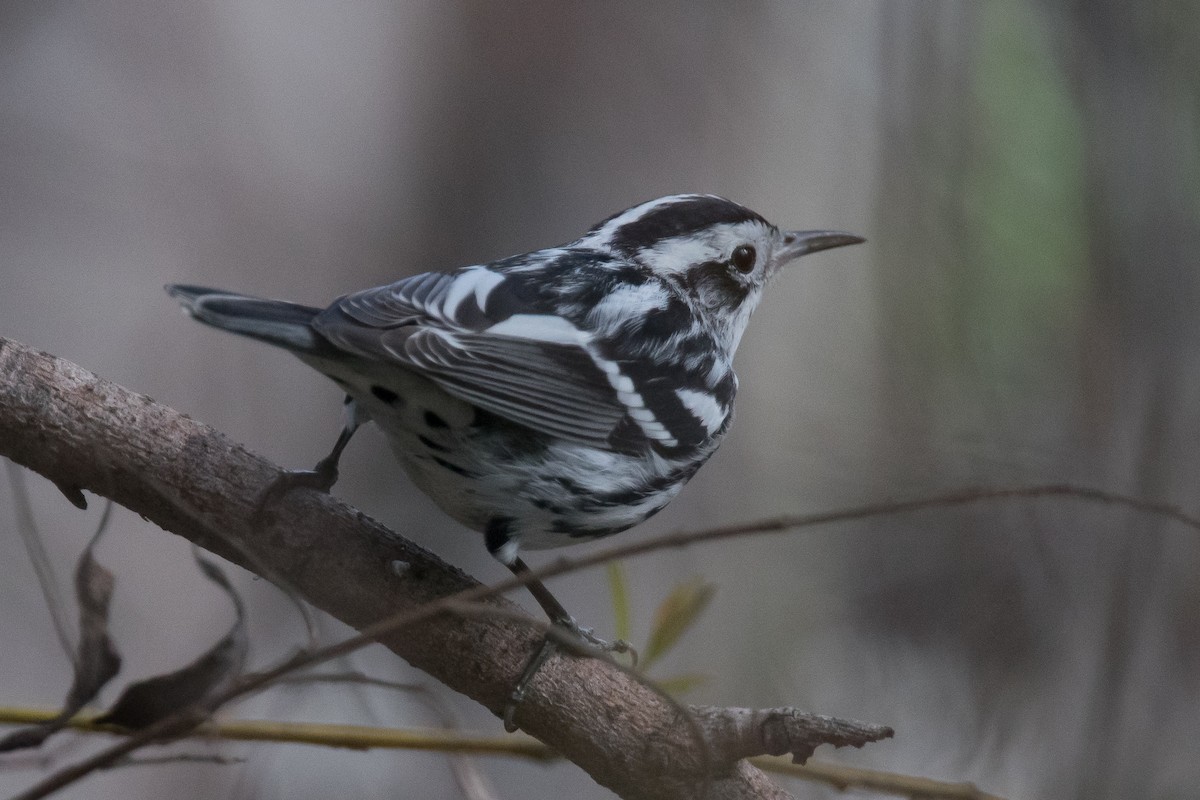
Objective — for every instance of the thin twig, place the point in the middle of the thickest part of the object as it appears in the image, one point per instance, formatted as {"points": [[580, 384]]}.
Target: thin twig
{"points": [[323, 734], [180, 758], [368, 634], [357, 678], [261, 568], [887, 508], [845, 777], [470, 779], [32, 539], [164, 730]]}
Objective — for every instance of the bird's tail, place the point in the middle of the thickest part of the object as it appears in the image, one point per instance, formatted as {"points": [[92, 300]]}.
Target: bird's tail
{"points": [[283, 324]]}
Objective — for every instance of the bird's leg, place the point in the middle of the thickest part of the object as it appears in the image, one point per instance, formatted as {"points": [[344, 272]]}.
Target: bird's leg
{"points": [[320, 478], [558, 616]]}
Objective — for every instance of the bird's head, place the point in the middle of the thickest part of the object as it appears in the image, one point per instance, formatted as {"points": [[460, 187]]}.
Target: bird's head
{"points": [[717, 253]]}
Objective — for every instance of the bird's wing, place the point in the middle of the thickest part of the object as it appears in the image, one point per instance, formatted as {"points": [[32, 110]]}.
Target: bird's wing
{"points": [[475, 335]]}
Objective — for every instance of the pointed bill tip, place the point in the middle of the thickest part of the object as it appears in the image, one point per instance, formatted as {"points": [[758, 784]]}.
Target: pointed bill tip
{"points": [[801, 243]]}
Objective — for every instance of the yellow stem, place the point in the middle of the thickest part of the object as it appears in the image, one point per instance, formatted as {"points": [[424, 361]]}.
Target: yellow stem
{"points": [[361, 737]]}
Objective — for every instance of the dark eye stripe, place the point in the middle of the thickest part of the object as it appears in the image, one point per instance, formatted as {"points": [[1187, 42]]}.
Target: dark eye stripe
{"points": [[712, 281]]}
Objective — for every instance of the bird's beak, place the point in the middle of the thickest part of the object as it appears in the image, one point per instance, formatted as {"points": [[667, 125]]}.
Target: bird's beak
{"points": [[801, 243]]}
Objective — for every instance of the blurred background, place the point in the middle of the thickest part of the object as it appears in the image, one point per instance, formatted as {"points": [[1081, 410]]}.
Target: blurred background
{"points": [[1024, 311]]}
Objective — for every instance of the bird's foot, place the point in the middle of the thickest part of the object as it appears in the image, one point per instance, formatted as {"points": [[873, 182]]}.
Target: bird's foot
{"points": [[587, 640], [320, 479]]}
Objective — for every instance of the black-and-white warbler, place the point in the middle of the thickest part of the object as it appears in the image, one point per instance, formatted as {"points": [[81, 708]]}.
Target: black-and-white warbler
{"points": [[551, 397]]}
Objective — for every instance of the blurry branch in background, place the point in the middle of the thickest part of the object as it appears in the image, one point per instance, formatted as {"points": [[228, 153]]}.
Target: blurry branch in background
{"points": [[470, 779], [32, 539], [843, 777], [81, 431]]}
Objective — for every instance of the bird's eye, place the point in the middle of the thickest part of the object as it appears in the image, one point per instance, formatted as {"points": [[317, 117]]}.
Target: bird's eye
{"points": [[743, 258]]}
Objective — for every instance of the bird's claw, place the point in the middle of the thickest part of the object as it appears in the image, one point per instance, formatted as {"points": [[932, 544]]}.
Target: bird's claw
{"points": [[319, 479], [589, 636], [549, 645]]}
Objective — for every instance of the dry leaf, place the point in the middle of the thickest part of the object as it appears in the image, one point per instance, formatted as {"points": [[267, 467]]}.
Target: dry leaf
{"points": [[96, 659], [148, 701]]}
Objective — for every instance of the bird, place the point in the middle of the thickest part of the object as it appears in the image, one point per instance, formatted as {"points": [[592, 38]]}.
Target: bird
{"points": [[552, 397]]}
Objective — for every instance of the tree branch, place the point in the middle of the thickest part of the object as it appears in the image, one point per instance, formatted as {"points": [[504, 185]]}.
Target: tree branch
{"points": [[84, 432]]}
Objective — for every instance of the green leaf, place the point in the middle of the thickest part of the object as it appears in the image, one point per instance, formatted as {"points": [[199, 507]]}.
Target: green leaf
{"points": [[678, 612], [682, 684], [618, 588]]}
